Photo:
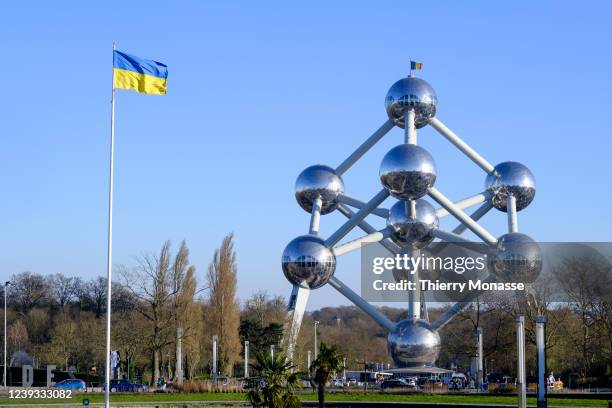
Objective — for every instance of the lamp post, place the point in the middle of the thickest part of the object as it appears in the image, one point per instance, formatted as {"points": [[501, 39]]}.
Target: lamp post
{"points": [[316, 324], [6, 284]]}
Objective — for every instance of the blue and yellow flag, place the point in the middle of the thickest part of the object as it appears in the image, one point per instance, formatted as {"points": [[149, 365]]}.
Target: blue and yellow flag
{"points": [[141, 75]]}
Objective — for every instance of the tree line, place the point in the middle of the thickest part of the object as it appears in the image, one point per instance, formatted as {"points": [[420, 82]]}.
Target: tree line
{"points": [[60, 320]]}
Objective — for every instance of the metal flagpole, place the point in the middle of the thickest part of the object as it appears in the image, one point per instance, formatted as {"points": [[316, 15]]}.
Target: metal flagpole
{"points": [[4, 382], [109, 257]]}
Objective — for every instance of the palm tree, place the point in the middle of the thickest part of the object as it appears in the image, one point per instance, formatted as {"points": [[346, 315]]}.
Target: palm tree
{"points": [[324, 368], [275, 382]]}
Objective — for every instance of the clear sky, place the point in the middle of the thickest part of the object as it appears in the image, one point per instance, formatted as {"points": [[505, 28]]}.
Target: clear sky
{"points": [[258, 91]]}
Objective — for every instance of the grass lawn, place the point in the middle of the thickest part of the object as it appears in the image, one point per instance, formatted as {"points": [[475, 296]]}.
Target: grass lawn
{"points": [[338, 396]]}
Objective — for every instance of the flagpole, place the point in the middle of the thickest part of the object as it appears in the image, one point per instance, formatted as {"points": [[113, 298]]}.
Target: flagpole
{"points": [[109, 253]]}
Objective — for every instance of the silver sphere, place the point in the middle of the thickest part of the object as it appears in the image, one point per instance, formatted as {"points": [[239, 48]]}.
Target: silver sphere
{"points": [[412, 232], [411, 93], [518, 258], [307, 262], [408, 171], [511, 178], [318, 181], [414, 344]]}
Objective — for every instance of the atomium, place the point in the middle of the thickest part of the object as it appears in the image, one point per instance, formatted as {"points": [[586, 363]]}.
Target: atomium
{"points": [[408, 173], [409, 230], [414, 343], [518, 258], [307, 262], [511, 179], [318, 181], [411, 93]]}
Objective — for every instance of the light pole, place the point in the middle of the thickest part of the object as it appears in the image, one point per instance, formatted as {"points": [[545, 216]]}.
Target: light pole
{"points": [[316, 324], [6, 284]]}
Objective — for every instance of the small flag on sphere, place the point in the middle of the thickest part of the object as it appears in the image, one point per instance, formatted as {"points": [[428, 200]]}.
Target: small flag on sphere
{"points": [[416, 65], [138, 74]]}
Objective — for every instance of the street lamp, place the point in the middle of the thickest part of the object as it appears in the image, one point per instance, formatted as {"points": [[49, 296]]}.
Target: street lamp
{"points": [[316, 324], [6, 284]]}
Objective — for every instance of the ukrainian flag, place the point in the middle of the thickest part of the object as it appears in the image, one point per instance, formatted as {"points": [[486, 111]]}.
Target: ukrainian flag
{"points": [[141, 75]]}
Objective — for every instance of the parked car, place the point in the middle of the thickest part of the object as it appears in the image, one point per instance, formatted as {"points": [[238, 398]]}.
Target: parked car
{"points": [[352, 382], [71, 384], [221, 379], [412, 381], [396, 383], [337, 383], [125, 386], [457, 381]]}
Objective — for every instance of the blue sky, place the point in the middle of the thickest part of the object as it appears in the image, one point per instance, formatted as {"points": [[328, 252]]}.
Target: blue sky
{"points": [[257, 92]]}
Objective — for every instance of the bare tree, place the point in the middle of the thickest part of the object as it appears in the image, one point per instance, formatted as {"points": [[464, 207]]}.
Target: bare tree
{"points": [[185, 307], [29, 291], [63, 340], [222, 306], [162, 296], [63, 289], [586, 282], [17, 337], [93, 296]]}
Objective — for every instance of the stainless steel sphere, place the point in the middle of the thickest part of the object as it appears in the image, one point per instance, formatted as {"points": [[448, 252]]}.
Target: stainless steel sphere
{"points": [[307, 262], [318, 181], [511, 178], [518, 258], [414, 344], [411, 93], [412, 232], [407, 171]]}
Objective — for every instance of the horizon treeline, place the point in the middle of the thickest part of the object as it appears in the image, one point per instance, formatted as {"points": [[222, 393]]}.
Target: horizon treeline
{"points": [[59, 320]]}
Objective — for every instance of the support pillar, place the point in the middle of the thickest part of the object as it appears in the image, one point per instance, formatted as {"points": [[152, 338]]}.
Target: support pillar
{"points": [[512, 218], [521, 391], [414, 296], [214, 356], [179, 355], [293, 319], [479, 367], [246, 359], [541, 348]]}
